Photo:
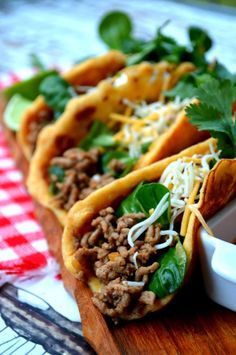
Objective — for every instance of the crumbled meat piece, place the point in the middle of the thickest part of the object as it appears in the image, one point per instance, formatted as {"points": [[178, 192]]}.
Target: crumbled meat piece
{"points": [[35, 127], [147, 297], [81, 176], [146, 251], [145, 270], [113, 262], [113, 269], [115, 298], [117, 166]]}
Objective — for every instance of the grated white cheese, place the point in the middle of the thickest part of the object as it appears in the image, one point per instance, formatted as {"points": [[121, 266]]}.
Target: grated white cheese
{"points": [[134, 259], [180, 177], [137, 230], [164, 115], [120, 80], [134, 283]]}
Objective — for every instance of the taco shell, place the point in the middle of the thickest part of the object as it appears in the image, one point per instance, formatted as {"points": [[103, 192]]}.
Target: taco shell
{"points": [[218, 188], [142, 82], [87, 73]]}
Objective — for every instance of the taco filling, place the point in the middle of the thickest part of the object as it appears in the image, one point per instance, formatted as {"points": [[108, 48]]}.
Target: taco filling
{"points": [[110, 151], [135, 250], [57, 92]]}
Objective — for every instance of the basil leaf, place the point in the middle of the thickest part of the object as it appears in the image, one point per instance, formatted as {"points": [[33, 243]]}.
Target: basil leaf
{"points": [[170, 275], [29, 88], [99, 136], [143, 198], [115, 27], [57, 92], [123, 157]]}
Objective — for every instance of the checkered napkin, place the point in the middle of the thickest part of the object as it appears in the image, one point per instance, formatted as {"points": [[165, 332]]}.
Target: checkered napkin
{"points": [[23, 248]]}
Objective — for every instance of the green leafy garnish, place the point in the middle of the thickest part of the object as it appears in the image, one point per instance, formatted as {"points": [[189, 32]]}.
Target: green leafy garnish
{"points": [[99, 136], [116, 30], [29, 88], [170, 275], [60, 175], [36, 62], [121, 156], [144, 198], [57, 93], [215, 113]]}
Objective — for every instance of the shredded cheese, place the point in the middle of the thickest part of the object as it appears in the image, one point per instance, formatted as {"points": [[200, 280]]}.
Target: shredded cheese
{"points": [[134, 283], [146, 123], [134, 259], [183, 178], [137, 230]]}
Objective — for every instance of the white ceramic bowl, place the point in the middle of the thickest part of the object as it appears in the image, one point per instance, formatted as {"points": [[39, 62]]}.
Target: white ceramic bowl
{"points": [[218, 257]]}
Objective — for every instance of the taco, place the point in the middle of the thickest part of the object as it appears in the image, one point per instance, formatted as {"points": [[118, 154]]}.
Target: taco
{"points": [[56, 91], [133, 241], [122, 125]]}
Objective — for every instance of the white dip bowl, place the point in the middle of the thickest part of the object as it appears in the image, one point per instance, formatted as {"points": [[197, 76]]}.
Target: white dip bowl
{"points": [[218, 257]]}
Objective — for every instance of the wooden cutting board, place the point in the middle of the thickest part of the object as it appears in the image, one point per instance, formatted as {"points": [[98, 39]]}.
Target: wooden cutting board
{"points": [[192, 324]]}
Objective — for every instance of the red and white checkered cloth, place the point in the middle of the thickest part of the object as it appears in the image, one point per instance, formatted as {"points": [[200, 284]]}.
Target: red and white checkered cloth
{"points": [[23, 248]]}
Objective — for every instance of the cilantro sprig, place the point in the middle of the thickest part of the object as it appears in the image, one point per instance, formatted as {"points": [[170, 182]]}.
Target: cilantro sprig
{"points": [[215, 113]]}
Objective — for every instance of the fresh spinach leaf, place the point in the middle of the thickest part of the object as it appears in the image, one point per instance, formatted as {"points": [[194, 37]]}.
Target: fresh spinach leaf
{"points": [[145, 147], [130, 204], [115, 28], [143, 198], [99, 136], [121, 156], [57, 93], [29, 88], [170, 275], [201, 42]]}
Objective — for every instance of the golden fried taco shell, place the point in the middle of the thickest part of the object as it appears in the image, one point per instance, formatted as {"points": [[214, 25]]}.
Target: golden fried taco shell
{"points": [[143, 82], [218, 188], [87, 73]]}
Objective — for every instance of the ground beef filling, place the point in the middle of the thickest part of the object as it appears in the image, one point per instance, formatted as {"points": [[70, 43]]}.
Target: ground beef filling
{"points": [[105, 252], [81, 175], [35, 127]]}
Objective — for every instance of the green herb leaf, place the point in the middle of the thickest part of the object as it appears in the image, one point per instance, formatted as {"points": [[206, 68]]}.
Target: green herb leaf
{"points": [[36, 62], [123, 157], [99, 136], [199, 38], [29, 88], [59, 173], [170, 275], [143, 198], [215, 113], [182, 90], [115, 28], [57, 93]]}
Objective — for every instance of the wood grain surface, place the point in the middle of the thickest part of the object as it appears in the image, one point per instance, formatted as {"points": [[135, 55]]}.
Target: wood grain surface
{"points": [[192, 324]]}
